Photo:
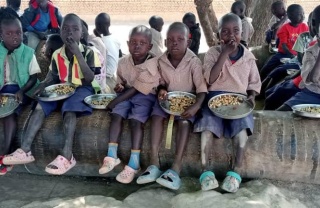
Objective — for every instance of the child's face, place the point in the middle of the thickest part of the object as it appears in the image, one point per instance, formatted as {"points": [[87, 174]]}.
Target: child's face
{"points": [[230, 31], [71, 27], [11, 34], [177, 41], [238, 11], [103, 25], [159, 25], [188, 22], [139, 45], [43, 4], [279, 11], [297, 16]]}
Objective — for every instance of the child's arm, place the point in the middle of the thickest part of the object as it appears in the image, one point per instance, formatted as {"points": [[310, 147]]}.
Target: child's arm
{"points": [[192, 110], [26, 19], [124, 96], [30, 83], [276, 25], [314, 72], [254, 82], [287, 50]]}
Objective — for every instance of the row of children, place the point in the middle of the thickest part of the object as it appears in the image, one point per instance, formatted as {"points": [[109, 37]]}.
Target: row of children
{"points": [[143, 78]]}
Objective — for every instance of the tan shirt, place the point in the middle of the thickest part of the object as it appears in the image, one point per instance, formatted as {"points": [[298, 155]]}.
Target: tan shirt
{"points": [[239, 77], [187, 77], [157, 42], [247, 29], [308, 62], [143, 77]]}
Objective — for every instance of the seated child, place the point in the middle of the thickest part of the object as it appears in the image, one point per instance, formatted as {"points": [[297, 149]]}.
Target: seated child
{"points": [[309, 72], [40, 19], [279, 17], [156, 24], [239, 9], [138, 77], [229, 67], [73, 63], [53, 43], [15, 5], [288, 35], [189, 19], [181, 70], [18, 69], [112, 44], [96, 44]]}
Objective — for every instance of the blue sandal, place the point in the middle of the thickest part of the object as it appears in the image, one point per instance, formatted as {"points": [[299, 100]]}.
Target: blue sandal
{"points": [[232, 182], [170, 179], [150, 175], [208, 181]]}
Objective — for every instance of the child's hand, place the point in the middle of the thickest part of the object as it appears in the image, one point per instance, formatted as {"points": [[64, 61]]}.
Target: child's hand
{"points": [[162, 94], [251, 100], [72, 45], [190, 111], [38, 90], [110, 106], [228, 47], [19, 96], [118, 88]]}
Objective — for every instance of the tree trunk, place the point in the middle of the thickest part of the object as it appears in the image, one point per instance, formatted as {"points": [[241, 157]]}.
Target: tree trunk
{"points": [[208, 20], [250, 4]]}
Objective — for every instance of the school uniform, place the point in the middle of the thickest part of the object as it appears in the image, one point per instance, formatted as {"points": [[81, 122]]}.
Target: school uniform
{"points": [[63, 70], [187, 77], [144, 78], [16, 69], [238, 75], [157, 42], [247, 29]]}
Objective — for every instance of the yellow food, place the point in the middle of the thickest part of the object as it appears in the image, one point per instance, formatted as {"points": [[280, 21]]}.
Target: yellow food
{"points": [[62, 89], [180, 103], [104, 101], [225, 100], [311, 109], [4, 100]]}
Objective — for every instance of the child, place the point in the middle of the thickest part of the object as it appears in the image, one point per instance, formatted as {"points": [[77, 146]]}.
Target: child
{"points": [[288, 35], [15, 5], [229, 67], [73, 63], [53, 43], [112, 44], [138, 76], [18, 69], [239, 9], [279, 17], [309, 72], [181, 70], [156, 24], [189, 19], [41, 18]]}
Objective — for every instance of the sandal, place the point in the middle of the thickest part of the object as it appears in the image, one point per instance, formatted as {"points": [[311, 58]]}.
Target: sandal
{"points": [[150, 175], [126, 175], [232, 182], [18, 157], [4, 168], [108, 164], [63, 165], [208, 181], [170, 179]]}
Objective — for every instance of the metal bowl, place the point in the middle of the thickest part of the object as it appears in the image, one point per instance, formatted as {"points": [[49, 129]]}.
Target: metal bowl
{"points": [[232, 111], [48, 96], [88, 100], [297, 110], [10, 106], [165, 104]]}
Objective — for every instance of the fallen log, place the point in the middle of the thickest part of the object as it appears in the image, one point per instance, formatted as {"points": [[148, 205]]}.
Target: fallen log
{"points": [[283, 147]]}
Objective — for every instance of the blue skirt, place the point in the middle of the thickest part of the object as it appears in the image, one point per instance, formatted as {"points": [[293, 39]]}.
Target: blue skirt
{"points": [[305, 96], [227, 128], [71, 104]]}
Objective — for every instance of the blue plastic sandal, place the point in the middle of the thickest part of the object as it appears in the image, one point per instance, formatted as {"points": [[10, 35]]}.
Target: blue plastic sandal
{"points": [[150, 175], [208, 181], [170, 179], [232, 182]]}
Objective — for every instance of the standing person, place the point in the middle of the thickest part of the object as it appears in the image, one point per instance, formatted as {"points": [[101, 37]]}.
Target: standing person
{"points": [[15, 5], [73, 63], [239, 8], [181, 70], [18, 73], [156, 24], [229, 67], [40, 19], [112, 44], [138, 77], [189, 19]]}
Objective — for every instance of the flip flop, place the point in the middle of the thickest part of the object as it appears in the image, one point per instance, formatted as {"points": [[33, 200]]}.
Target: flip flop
{"points": [[232, 182], [150, 175], [18, 157], [108, 164], [63, 165], [126, 175], [170, 179], [208, 181]]}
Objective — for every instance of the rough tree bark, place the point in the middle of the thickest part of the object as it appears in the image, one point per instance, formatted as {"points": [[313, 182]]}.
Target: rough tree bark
{"points": [[208, 20]]}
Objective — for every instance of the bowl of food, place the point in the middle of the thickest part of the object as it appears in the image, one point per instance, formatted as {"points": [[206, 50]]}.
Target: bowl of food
{"points": [[8, 104], [230, 106], [177, 102], [99, 101], [57, 92], [307, 110]]}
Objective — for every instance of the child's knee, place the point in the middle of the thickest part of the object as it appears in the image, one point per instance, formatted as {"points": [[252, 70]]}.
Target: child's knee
{"points": [[242, 137]]}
